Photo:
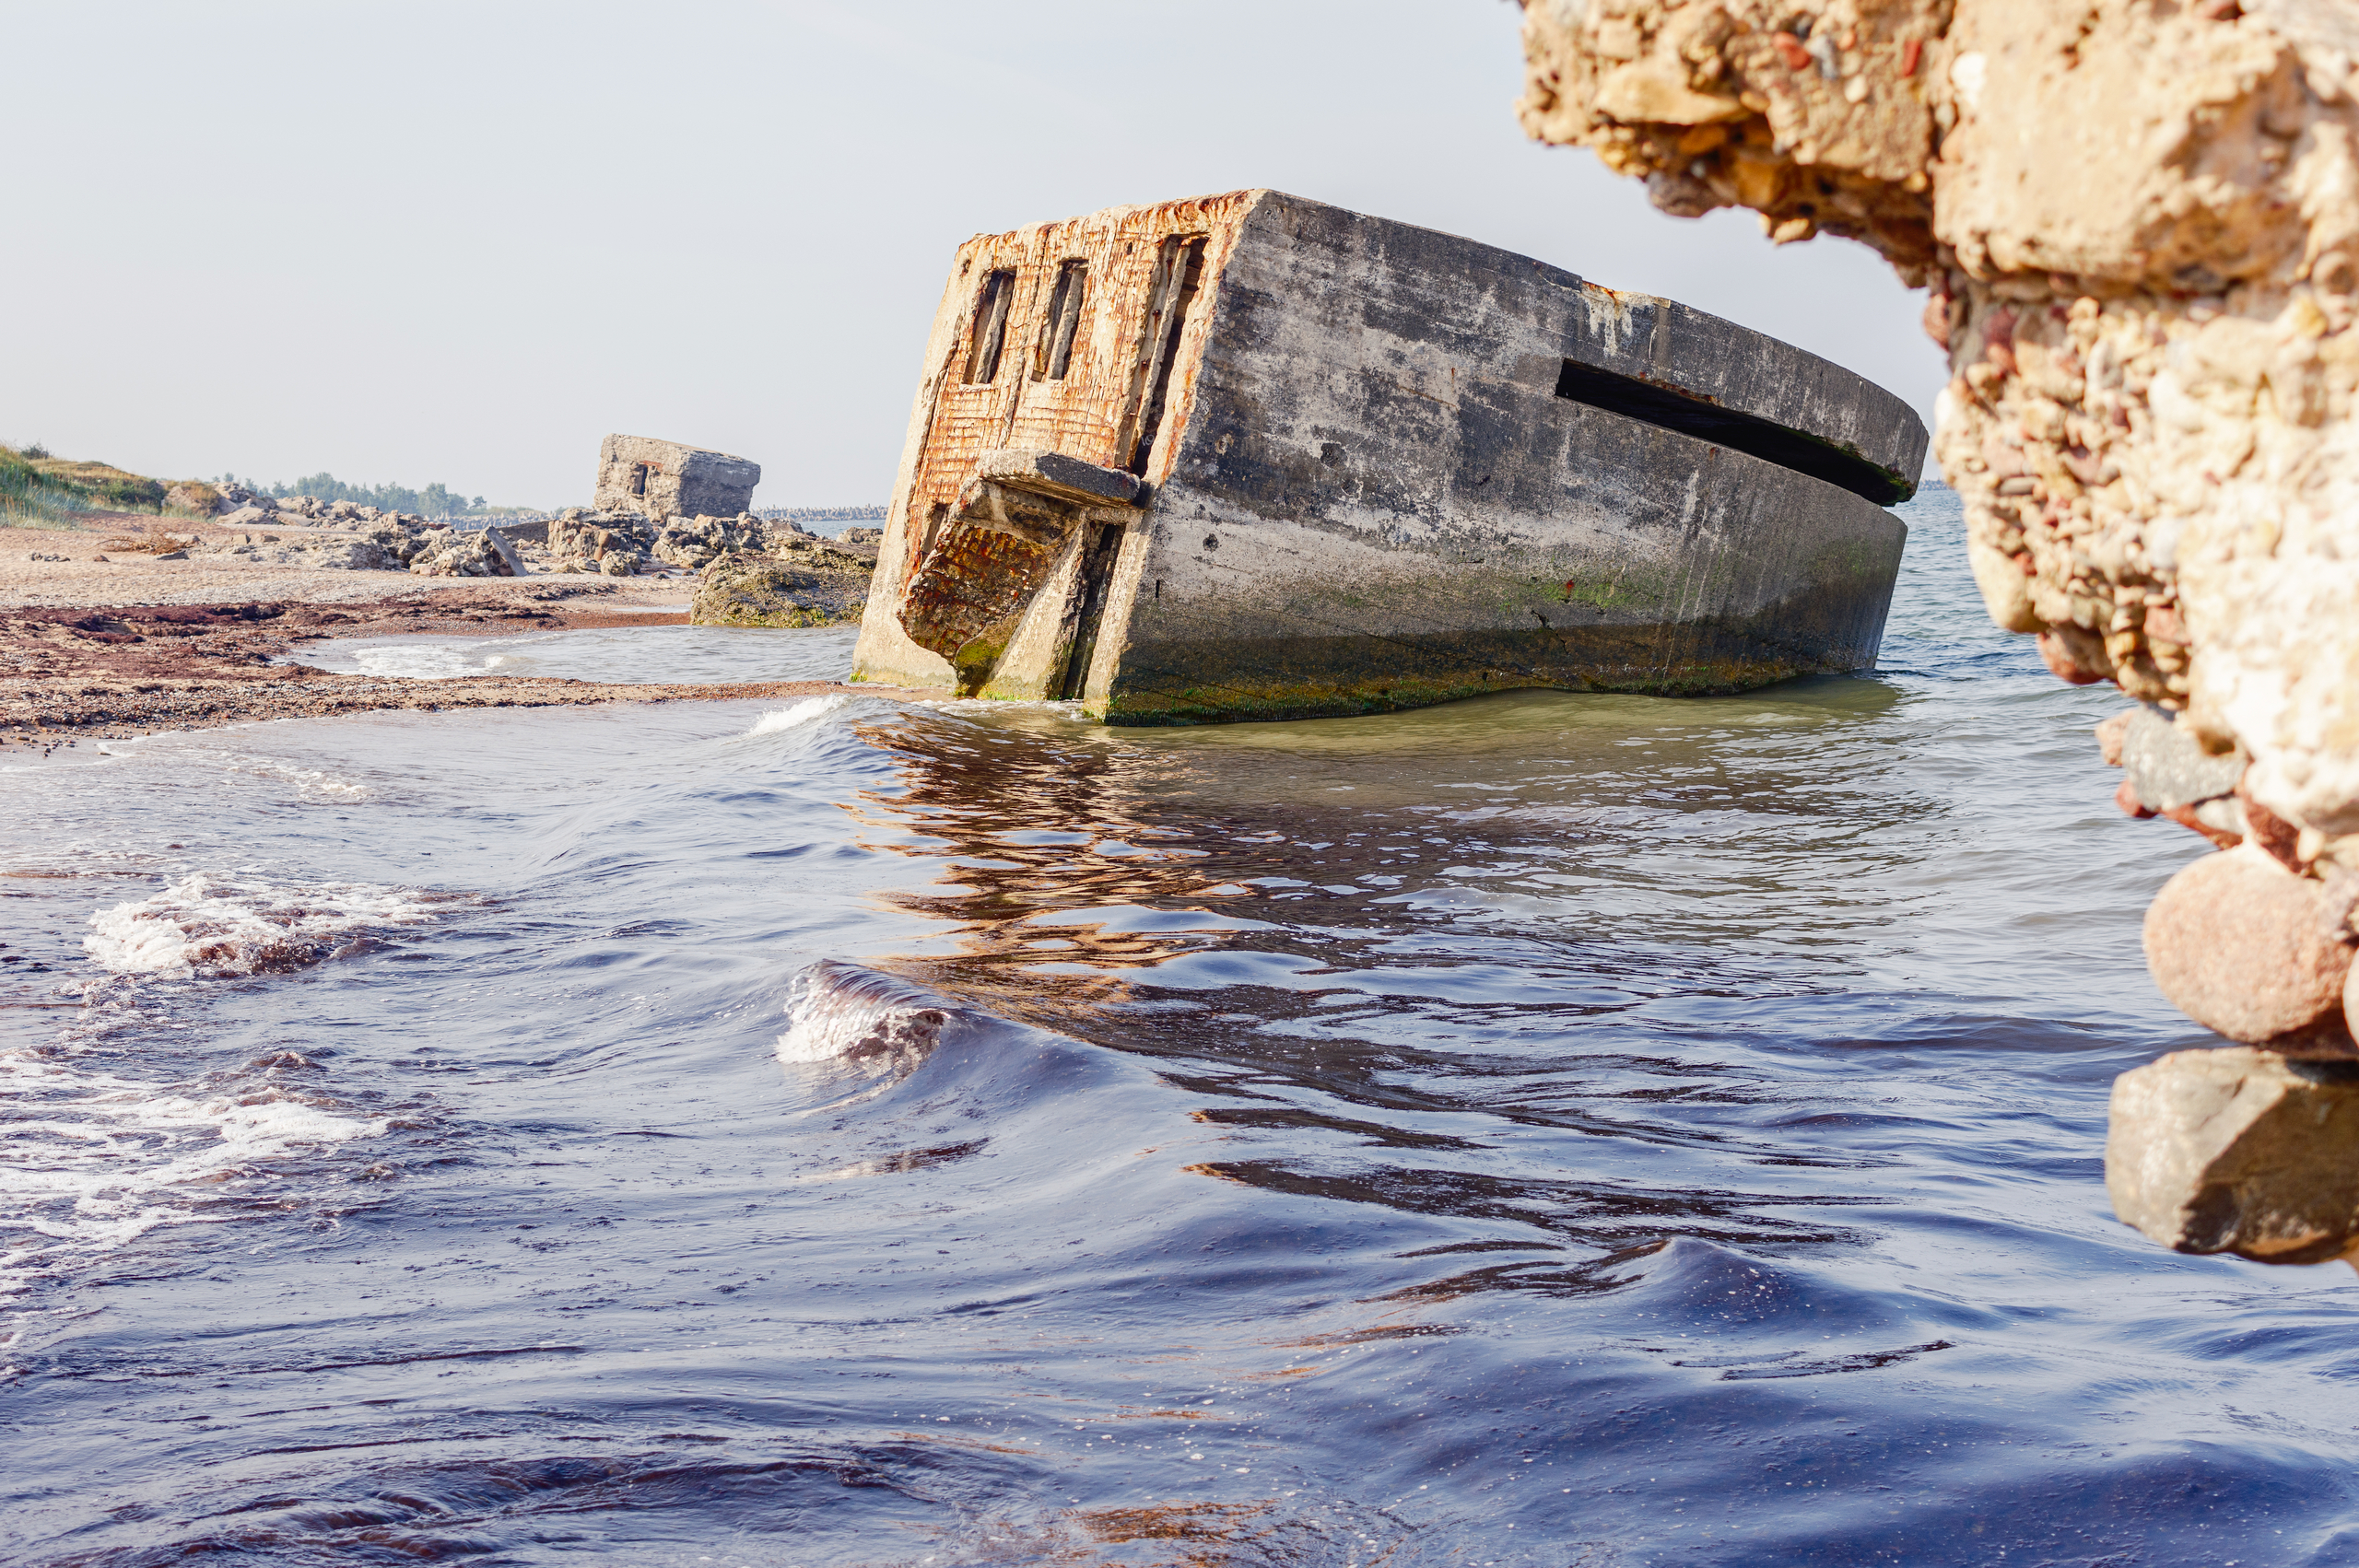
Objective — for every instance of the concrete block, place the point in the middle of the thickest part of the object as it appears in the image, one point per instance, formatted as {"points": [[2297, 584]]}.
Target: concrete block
{"points": [[663, 479], [1375, 467]]}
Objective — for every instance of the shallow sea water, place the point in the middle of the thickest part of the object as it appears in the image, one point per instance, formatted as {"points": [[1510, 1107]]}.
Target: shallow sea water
{"points": [[1546, 1130], [712, 654]]}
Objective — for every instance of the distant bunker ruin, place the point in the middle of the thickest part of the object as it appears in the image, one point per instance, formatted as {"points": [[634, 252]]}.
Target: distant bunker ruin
{"points": [[1250, 456], [664, 479]]}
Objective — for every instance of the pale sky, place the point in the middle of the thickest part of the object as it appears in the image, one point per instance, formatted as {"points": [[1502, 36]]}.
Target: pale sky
{"points": [[425, 241]]}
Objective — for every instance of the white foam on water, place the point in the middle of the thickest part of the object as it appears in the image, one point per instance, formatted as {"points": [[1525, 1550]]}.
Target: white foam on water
{"points": [[419, 661], [779, 720], [219, 927], [309, 780], [841, 1013], [91, 1161]]}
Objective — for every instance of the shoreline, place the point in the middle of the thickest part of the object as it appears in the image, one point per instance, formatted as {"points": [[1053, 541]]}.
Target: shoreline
{"points": [[81, 659]]}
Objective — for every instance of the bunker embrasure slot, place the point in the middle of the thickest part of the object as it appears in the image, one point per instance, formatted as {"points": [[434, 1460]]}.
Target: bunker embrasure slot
{"points": [[1065, 315], [1749, 433], [1094, 587], [991, 327], [1178, 271]]}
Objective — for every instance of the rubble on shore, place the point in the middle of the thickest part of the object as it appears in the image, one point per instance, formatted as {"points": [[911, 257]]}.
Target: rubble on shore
{"points": [[70, 674], [623, 543], [118, 624]]}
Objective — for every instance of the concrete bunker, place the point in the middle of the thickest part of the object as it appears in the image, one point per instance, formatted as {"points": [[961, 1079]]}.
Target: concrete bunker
{"points": [[1250, 456], [660, 479]]}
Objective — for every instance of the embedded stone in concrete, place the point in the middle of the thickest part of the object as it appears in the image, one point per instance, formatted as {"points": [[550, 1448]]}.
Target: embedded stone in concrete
{"points": [[2238, 1151], [2242, 945], [660, 479], [2168, 767]]}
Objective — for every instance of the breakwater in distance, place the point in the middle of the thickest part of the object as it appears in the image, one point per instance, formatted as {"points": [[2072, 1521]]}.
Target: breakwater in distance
{"points": [[1540, 1129]]}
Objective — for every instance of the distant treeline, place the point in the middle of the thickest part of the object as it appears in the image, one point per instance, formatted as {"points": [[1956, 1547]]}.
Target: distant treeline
{"points": [[434, 501], [822, 514]]}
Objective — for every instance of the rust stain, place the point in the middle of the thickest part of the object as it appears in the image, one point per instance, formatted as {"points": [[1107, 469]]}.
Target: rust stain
{"points": [[1081, 414], [968, 584], [976, 583]]}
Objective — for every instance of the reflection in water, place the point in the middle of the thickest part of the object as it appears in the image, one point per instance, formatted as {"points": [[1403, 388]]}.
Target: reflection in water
{"points": [[674, 653], [1546, 1130]]}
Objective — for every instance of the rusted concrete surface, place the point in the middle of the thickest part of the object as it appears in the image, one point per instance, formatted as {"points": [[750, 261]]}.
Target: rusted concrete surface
{"points": [[1376, 467], [660, 479]]}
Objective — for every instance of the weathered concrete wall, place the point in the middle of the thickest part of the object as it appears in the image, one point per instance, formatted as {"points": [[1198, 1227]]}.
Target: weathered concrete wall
{"points": [[1381, 500], [664, 479], [2139, 221], [1393, 467]]}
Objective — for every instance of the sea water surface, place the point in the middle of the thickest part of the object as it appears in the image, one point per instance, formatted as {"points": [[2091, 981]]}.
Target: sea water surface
{"points": [[1546, 1130]]}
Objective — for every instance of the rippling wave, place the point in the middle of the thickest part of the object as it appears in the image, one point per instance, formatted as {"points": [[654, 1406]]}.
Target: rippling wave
{"points": [[1545, 1129]]}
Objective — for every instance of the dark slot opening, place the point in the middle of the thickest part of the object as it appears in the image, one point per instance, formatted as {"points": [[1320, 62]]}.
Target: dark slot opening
{"points": [[991, 327], [639, 479], [1748, 433], [1177, 273], [1097, 584], [936, 515], [1065, 315]]}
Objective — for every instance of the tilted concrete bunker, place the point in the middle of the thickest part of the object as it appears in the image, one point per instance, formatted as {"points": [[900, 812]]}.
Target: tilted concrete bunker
{"points": [[1250, 456], [665, 479]]}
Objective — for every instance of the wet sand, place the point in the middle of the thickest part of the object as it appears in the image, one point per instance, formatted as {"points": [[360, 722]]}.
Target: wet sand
{"points": [[107, 644]]}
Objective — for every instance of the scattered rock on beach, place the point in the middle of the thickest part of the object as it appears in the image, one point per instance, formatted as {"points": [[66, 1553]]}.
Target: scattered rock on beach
{"points": [[622, 543], [618, 544], [448, 552], [696, 542]]}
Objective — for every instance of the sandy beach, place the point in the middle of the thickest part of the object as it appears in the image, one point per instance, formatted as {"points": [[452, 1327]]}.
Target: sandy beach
{"points": [[107, 643]]}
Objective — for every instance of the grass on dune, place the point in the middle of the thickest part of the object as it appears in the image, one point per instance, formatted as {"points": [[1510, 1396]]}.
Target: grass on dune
{"points": [[41, 491]]}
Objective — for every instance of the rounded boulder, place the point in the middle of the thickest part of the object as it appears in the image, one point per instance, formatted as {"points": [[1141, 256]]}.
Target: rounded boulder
{"points": [[2244, 947]]}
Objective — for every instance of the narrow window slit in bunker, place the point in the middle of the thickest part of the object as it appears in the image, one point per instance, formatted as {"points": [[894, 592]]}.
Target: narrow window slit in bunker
{"points": [[639, 479], [1065, 315], [991, 327], [1179, 272], [1747, 433]]}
